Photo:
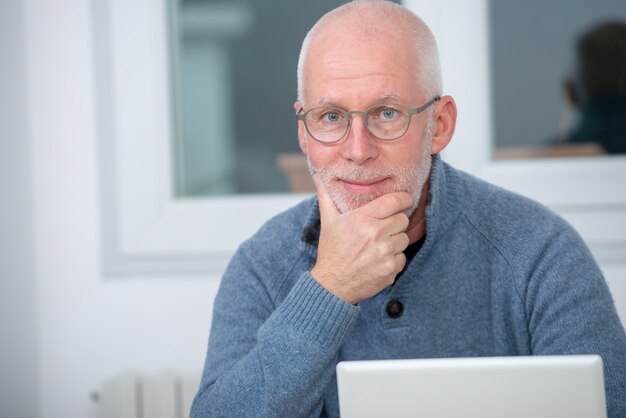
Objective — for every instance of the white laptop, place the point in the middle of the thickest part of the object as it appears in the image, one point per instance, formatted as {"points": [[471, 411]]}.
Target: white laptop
{"points": [[487, 387]]}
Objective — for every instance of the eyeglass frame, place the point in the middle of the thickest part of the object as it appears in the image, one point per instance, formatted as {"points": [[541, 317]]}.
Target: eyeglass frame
{"points": [[411, 111]]}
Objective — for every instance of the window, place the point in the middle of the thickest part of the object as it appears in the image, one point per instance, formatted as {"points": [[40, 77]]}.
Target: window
{"points": [[157, 218]]}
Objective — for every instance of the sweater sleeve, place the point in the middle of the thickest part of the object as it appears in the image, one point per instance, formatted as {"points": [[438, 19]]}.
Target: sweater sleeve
{"points": [[266, 360], [570, 311]]}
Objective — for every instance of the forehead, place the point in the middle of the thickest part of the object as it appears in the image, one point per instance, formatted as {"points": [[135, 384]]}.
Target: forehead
{"points": [[360, 66]]}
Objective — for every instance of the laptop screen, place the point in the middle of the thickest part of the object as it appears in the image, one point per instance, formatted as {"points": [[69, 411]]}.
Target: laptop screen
{"points": [[488, 387]]}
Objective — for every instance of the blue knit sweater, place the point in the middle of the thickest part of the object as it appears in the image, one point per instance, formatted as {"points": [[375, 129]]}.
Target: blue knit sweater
{"points": [[498, 275]]}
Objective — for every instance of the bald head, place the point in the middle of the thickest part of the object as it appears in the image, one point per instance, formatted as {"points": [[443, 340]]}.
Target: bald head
{"points": [[370, 25]]}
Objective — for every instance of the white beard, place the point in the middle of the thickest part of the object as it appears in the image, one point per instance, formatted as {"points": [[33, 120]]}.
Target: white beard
{"points": [[405, 179]]}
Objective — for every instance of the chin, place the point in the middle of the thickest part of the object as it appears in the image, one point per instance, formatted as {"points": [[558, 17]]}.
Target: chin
{"points": [[350, 204], [347, 203]]}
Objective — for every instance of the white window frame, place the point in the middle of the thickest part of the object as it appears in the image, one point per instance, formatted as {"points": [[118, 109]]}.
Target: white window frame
{"points": [[588, 192], [147, 229]]}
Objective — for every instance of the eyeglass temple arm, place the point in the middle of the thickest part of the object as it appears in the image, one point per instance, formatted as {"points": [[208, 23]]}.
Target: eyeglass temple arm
{"points": [[425, 105]]}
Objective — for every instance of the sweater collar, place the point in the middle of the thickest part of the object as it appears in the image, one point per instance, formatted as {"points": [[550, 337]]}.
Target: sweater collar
{"points": [[437, 197]]}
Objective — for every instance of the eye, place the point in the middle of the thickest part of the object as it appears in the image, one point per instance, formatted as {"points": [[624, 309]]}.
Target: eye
{"points": [[388, 113], [331, 116]]}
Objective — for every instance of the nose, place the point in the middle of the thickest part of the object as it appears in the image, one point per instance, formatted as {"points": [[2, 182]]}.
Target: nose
{"points": [[360, 146]]}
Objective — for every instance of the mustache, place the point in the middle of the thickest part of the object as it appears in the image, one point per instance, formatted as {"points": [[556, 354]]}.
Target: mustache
{"points": [[351, 173]]}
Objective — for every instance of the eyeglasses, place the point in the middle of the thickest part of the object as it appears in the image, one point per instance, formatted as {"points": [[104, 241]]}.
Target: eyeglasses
{"points": [[386, 122]]}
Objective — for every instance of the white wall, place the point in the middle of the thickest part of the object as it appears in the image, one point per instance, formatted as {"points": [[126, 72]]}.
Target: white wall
{"points": [[89, 327], [18, 355]]}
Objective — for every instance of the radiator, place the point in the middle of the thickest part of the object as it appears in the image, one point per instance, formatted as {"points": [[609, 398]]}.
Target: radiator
{"points": [[131, 395]]}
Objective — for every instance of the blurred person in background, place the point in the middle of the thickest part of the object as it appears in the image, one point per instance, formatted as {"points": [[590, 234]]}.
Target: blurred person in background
{"points": [[598, 88]]}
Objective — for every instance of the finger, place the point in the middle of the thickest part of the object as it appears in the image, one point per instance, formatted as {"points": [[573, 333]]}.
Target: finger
{"points": [[388, 204], [394, 224], [399, 243], [328, 210], [400, 260]]}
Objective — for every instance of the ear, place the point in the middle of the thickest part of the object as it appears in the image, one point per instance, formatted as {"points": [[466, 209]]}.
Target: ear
{"points": [[445, 122], [301, 130]]}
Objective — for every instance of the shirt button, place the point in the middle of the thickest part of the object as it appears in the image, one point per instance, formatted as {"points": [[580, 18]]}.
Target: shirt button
{"points": [[394, 309]]}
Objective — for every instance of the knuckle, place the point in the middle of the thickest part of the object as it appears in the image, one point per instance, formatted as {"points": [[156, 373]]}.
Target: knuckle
{"points": [[372, 232], [390, 266], [386, 248]]}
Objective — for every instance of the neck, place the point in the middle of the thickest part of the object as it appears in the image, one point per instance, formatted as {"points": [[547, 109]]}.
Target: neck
{"points": [[417, 222]]}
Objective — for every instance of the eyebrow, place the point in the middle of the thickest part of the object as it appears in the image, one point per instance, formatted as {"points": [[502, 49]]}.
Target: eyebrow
{"points": [[325, 101], [386, 96], [383, 97]]}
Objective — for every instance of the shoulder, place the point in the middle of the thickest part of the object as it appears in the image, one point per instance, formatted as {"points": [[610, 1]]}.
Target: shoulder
{"points": [[274, 249], [538, 249], [283, 231], [264, 264], [517, 226]]}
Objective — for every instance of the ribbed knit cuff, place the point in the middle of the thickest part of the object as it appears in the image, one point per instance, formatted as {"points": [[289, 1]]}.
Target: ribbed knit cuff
{"points": [[314, 311]]}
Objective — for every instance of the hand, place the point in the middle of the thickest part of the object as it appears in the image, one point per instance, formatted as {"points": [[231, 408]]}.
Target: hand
{"points": [[361, 252]]}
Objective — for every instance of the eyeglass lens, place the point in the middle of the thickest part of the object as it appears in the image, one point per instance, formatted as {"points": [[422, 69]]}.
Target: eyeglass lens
{"points": [[328, 124]]}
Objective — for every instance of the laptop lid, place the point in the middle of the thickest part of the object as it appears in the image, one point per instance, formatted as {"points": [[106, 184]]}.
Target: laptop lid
{"points": [[487, 387]]}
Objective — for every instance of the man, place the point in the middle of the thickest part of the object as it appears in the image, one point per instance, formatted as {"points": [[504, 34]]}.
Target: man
{"points": [[400, 255]]}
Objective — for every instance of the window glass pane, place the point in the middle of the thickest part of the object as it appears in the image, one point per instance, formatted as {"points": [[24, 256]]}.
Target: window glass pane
{"points": [[234, 85], [559, 77]]}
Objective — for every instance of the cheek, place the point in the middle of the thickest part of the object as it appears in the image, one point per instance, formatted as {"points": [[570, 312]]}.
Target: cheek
{"points": [[322, 155], [410, 151], [403, 155]]}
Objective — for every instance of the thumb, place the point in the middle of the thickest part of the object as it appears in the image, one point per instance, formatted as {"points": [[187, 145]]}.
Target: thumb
{"points": [[328, 210]]}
